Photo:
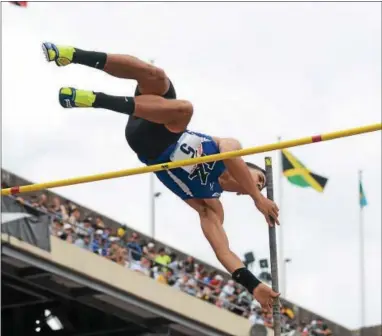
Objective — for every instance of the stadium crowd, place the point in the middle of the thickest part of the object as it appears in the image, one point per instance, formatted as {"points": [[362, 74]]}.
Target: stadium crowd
{"points": [[161, 264]]}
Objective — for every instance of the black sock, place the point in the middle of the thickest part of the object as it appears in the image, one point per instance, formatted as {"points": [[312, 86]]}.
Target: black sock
{"points": [[124, 105], [92, 59]]}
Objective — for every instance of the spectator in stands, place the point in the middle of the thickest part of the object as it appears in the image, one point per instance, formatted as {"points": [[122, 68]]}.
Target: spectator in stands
{"points": [[85, 227], [83, 241], [217, 281], [255, 317], [68, 233], [229, 289], [74, 217], [42, 203], [198, 270], [304, 328], [115, 252], [164, 276], [56, 207], [162, 258], [174, 263], [134, 248], [56, 228], [106, 233], [189, 265], [181, 282], [208, 277], [99, 223], [317, 328], [171, 277], [207, 294], [268, 320], [70, 207], [227, 293], [326, 330], [144, 266], [97, 244], [244, 298], [190, 287]]}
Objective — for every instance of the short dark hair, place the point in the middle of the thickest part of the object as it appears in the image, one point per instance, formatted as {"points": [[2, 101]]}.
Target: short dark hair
{"points": [[253, 166]]}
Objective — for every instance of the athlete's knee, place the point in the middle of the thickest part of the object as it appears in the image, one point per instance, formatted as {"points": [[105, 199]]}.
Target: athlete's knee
{"points": [[185, 109], [156, 73]]}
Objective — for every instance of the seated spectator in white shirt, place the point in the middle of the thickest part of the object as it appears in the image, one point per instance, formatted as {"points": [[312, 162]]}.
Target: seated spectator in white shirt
{"points": [[85, 227], [181, 282], [229, 288], [255, 318], [83, 241], [227, 294], [142, 267], [190, 287]]}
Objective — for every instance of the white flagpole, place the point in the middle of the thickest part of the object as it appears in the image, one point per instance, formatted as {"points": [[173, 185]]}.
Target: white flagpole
{"points": [[281, 229], [152, 197], [361, 258]]}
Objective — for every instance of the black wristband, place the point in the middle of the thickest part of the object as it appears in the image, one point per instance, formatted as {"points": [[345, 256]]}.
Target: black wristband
{"points": [[246, 279]]}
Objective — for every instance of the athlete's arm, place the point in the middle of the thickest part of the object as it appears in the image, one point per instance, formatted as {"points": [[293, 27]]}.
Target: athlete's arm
{"points": [[238, 169], [241, 173]]}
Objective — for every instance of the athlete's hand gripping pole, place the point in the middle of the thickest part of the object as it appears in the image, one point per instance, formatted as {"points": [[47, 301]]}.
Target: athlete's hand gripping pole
{"points": [[273, 250]]}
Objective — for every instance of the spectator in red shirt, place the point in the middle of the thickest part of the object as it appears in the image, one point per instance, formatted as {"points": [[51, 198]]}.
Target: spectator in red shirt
{"points": [[217, 281]]}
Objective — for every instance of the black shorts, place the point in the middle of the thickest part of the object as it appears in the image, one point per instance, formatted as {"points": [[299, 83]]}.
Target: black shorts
{"points": [[148, 139]]}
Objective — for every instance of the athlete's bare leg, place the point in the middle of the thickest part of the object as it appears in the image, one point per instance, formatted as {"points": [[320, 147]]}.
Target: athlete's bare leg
{"points": [[174, 114], [151, 79], [152, 84], [211, 216]]}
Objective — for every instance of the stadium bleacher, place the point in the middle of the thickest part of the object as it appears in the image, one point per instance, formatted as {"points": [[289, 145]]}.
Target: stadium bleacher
{"points": [[98, 234]]}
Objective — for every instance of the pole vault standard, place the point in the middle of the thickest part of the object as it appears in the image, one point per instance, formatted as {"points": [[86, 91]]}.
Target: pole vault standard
{"points": [[273, 250], [202, 159]]}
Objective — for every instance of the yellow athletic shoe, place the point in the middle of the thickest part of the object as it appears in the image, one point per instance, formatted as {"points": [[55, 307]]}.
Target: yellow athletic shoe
{"points": [[61, 55], [70, 97]]}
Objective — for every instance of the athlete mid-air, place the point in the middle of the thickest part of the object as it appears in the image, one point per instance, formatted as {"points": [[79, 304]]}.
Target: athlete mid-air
{"points": [[157, 132]]}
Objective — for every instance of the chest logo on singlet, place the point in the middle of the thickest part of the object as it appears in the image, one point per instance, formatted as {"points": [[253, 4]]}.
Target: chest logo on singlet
{"points": [[202, 171]]}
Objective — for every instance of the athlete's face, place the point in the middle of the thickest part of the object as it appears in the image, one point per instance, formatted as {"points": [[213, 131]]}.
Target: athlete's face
{"points": [[259, 178]]}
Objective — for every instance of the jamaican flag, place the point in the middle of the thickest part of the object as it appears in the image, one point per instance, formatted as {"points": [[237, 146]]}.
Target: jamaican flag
{"points": [[299, 175]]}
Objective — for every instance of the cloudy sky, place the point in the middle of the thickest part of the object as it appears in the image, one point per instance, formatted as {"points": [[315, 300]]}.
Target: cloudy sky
{"points": [[254, 71]]}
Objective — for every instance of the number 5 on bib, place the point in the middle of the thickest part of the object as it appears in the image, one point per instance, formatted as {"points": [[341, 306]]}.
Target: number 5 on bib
{"points": [[189, 146]]}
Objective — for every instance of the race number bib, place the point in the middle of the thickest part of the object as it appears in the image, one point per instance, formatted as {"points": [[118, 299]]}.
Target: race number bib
{"points": [[189, 146]]}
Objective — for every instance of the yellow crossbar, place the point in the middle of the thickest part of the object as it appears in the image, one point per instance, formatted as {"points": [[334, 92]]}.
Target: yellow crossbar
{"points": [[209, 158]]}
